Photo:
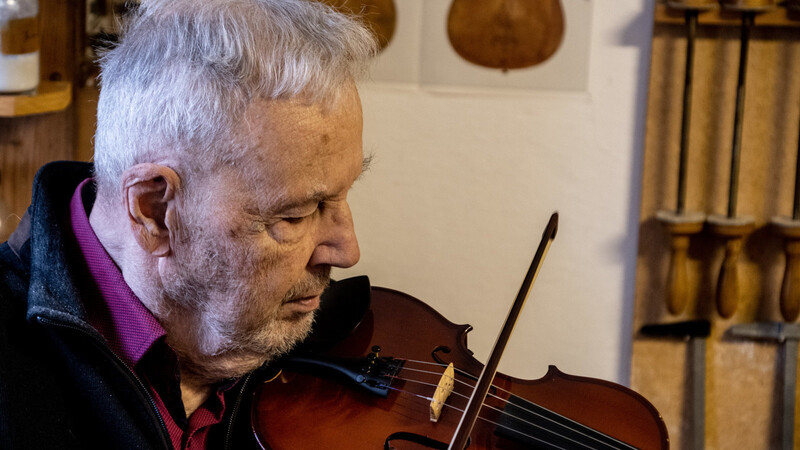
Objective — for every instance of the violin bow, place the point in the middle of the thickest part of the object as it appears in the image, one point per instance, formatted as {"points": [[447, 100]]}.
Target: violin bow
{"points": [[461, 436]]}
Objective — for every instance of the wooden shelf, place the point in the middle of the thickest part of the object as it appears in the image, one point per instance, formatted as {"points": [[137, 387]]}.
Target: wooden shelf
{"points": [[50, 96], [778, 16]]}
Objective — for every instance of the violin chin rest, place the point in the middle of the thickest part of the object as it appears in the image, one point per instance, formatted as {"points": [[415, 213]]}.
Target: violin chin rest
{"points": [[342, 307]]}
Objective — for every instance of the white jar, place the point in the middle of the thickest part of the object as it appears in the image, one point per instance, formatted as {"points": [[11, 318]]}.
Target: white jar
{"points": [[19, 45]]}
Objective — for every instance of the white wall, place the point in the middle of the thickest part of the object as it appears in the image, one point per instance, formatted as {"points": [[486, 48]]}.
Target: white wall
{"points": [[464, 181]]}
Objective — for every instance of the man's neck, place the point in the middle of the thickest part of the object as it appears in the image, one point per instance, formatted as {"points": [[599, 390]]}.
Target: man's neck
{"points": [[107, 231], [193, 394]]}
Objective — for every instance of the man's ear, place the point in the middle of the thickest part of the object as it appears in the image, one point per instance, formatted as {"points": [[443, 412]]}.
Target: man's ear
{"points": [[149, 194]]}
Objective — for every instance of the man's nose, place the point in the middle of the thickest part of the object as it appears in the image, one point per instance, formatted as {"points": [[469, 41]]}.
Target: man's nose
{"points": [[338, 245]]}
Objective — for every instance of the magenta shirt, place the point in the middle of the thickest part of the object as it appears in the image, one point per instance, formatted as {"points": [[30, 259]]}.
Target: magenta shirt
{"points": [[134, 334]]}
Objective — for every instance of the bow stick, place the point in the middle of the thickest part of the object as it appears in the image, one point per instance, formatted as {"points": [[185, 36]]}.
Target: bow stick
{"points": [[475, 402]]}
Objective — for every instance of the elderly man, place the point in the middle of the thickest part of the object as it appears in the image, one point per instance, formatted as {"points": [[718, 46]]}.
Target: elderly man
{"points": [[139, 296]]}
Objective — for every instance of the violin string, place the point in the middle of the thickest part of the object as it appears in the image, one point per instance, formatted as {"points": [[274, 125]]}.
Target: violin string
{"points": [[440, 374], [460, 371], [567, 423], [502, 413], [403, 391], [457, 370], [411, 380], [491, 422], [574, 430]]}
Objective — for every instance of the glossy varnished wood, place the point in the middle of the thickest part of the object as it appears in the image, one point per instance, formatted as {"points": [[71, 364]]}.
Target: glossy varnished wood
{"points": [[379, 15], [506, 34], [299, 411]]}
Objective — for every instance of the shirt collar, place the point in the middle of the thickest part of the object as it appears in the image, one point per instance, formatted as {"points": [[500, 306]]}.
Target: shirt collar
{"points": [[128, 326]]}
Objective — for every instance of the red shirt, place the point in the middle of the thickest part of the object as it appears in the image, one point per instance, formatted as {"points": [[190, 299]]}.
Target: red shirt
{"points": [[134, 334]]}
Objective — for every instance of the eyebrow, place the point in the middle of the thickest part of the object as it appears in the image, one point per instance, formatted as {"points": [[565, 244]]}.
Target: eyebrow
{"points": [[318, 196], [366, 164]]}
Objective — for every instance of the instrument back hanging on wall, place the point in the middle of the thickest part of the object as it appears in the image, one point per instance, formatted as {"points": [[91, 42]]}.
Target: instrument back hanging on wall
{"points": [[379, 15], [506, 34]]}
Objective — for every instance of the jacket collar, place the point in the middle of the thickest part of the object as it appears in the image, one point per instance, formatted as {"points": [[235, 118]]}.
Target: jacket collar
{"points": [[53, 292]]}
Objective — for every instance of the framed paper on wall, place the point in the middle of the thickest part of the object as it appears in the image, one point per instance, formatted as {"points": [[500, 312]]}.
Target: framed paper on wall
{"points": [[421, 52]]}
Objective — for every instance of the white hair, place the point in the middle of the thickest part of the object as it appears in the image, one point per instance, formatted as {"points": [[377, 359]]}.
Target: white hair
{"points": [[185, 71]]}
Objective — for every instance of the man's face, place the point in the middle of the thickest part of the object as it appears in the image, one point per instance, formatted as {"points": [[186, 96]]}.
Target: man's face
{"points": [[258, 242]]}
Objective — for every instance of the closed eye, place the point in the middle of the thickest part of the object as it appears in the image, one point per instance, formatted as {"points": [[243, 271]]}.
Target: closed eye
{"points": [[298, 219]]}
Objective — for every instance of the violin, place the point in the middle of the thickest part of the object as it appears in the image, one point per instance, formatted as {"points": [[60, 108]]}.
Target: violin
{"points": [[385, 369]]}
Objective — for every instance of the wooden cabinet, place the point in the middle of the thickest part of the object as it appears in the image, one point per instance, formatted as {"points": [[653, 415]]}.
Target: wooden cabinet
{"points": [[29, 141]]}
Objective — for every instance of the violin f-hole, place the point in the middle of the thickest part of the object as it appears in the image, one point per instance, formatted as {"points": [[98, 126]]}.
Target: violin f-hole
{"points": [[446, 349], [443, 349], [417, 439]]}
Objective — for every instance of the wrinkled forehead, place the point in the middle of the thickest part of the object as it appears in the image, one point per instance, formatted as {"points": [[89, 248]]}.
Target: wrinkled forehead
{"points": [[265, 122], [300, 145]]}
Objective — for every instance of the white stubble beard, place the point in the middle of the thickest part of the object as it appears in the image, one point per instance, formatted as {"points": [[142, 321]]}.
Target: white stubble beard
{"points": [[221, 338]]}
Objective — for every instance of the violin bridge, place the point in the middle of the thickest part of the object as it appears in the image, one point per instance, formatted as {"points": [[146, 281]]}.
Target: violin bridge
{"points": [[443, 390]]}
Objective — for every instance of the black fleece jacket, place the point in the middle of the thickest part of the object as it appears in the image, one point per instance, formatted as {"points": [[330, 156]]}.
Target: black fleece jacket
{"points": [[61, 387]]}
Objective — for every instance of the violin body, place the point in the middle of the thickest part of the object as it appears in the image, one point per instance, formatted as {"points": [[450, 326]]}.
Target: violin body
{"points": [[505, 34], [298, 410]]}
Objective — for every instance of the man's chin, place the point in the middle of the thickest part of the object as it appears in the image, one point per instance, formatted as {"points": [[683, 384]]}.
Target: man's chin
{"points": [[239, 364], [226, 367], [254, 348]]}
